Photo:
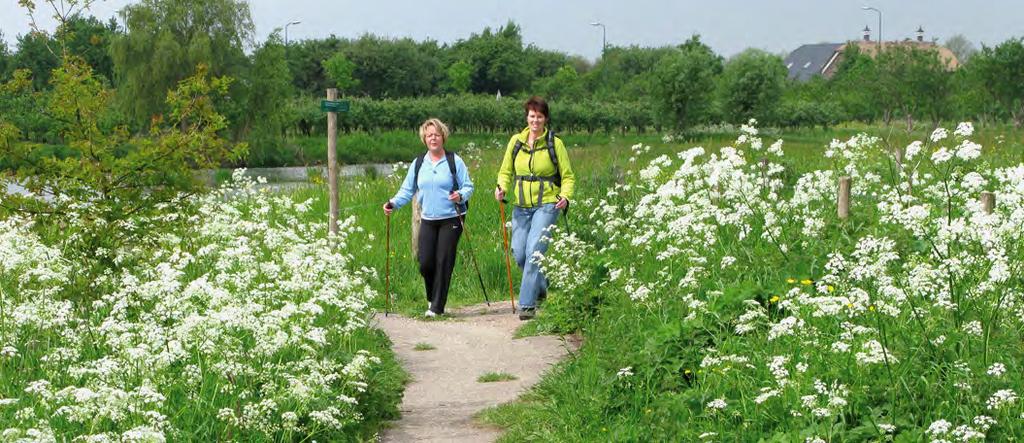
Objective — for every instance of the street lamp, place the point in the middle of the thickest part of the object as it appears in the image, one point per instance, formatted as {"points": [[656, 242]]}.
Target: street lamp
{"points": [[286, 31], [869, 8], [604, 34]]}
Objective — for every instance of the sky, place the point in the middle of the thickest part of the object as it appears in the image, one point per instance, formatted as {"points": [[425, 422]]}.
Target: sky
{"points": [[728, 26]]}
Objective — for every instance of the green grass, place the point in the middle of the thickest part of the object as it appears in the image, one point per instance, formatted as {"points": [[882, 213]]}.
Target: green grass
{"points": [[492, 377], [424, 347]]}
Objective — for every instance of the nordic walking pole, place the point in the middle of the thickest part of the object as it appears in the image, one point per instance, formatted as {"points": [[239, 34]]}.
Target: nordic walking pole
{"points": [[471, 254], [387, 266], [508, 264]]}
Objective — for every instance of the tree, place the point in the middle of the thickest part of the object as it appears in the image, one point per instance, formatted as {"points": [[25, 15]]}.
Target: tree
{"points": [[1001, 71], [913, 81], [497, 58], [115, 182], [305, 58], [459, 76], [36, 53], [685, 82], [167, 39], [268, 115], [395, 68], [624, 73], [751, 85], [89, 39], [565, 83], [341, 71], [545, 63], [5, 58], [962, 48], [855, 83]]}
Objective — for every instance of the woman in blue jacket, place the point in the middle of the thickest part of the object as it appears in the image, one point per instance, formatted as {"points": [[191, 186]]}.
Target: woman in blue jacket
{"points": [[444, 186]]}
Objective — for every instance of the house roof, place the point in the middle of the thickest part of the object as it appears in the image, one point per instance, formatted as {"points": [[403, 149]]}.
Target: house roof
{"points": [[810, 60]]}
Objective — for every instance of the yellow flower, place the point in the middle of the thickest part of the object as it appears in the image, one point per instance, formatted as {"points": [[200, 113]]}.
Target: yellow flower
{"points": [[774, 299], [849, 305], [687, 372], [871, 308], [791, 280], [830, 288], [806, 281]]}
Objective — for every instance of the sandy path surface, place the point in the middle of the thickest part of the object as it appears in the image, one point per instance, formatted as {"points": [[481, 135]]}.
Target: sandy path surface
{"points": [[444, 394]]}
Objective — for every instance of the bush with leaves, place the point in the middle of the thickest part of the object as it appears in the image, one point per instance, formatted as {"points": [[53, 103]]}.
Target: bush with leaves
{"points": [[112, 175]]}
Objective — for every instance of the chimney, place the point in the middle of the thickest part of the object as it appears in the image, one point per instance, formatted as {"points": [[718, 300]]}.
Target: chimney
{"points": [[867, 34], [920, 34]]}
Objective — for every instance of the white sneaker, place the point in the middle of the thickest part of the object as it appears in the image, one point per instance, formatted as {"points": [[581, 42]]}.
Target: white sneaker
{"points": [[430, 313]]}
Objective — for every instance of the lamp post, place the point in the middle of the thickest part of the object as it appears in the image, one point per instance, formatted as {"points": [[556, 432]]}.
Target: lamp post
{"points": [[869, 8], [286, 31], [604, 34]]}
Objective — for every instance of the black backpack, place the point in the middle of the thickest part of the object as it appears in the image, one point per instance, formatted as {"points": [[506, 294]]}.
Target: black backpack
{"points": [[450, 157]]}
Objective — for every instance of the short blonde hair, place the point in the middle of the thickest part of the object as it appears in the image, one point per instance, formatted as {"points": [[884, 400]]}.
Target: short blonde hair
{"points": [[437, 124]]}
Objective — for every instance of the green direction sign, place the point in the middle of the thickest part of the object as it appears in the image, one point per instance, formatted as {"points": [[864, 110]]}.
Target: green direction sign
{"points": [[334, 105]]}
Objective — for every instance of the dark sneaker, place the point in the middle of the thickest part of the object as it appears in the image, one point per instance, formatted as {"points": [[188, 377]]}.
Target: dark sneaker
{"points": [[527, 313]]}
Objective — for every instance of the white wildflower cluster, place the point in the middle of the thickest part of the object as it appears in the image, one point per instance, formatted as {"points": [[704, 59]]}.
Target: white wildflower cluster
{"points": [[567, 267], [725, 363], [828, 400], [717, 404], [943, 430], [996, 370], [847, 155], [920, 270], [250, 304], [1002, 398]]}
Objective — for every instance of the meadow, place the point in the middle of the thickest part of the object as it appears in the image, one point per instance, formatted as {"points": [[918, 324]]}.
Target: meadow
{"points": [[719, 298], [722, 300]]}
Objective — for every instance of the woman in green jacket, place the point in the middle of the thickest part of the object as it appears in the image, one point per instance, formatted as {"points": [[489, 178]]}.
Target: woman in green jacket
{"points": [[536, 167]]}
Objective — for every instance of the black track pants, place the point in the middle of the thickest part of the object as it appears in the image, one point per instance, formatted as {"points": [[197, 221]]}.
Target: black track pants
{"points": [[437, 245]]}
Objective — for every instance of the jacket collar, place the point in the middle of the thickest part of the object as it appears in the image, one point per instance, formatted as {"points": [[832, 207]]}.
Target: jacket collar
{"points": [[524, 135]]}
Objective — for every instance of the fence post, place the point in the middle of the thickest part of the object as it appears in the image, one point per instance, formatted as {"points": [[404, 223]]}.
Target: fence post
{"points": [[332, 163], [844, 198], [988, 202]]}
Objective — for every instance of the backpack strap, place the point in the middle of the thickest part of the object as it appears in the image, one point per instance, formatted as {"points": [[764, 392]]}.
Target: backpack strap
{"points": [[450, 158], [554, 158], [417, 165]]}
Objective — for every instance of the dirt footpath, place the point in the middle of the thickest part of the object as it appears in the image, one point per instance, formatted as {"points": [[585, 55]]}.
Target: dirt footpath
{"points": [[444, 394]]}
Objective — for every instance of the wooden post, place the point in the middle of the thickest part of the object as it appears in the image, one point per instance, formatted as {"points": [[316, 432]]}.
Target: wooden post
{"points": [[844, 198], [415, 226], [332, 164], [988, 202]]}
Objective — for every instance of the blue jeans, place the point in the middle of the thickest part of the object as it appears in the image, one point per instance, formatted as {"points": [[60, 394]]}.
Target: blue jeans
{"points": [[530, 234]]}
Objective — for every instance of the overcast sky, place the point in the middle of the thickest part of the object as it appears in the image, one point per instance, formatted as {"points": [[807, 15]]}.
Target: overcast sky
{"points": [[728, 26]]}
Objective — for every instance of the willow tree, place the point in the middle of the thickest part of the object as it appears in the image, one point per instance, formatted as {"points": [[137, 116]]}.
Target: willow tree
{"points": [[165, 40]]}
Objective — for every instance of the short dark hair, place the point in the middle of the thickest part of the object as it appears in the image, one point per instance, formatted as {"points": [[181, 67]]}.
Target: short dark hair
{"points": [[537, 104]]}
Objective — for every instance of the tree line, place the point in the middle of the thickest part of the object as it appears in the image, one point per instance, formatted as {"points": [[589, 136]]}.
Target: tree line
{"points": [[395, 82]]}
